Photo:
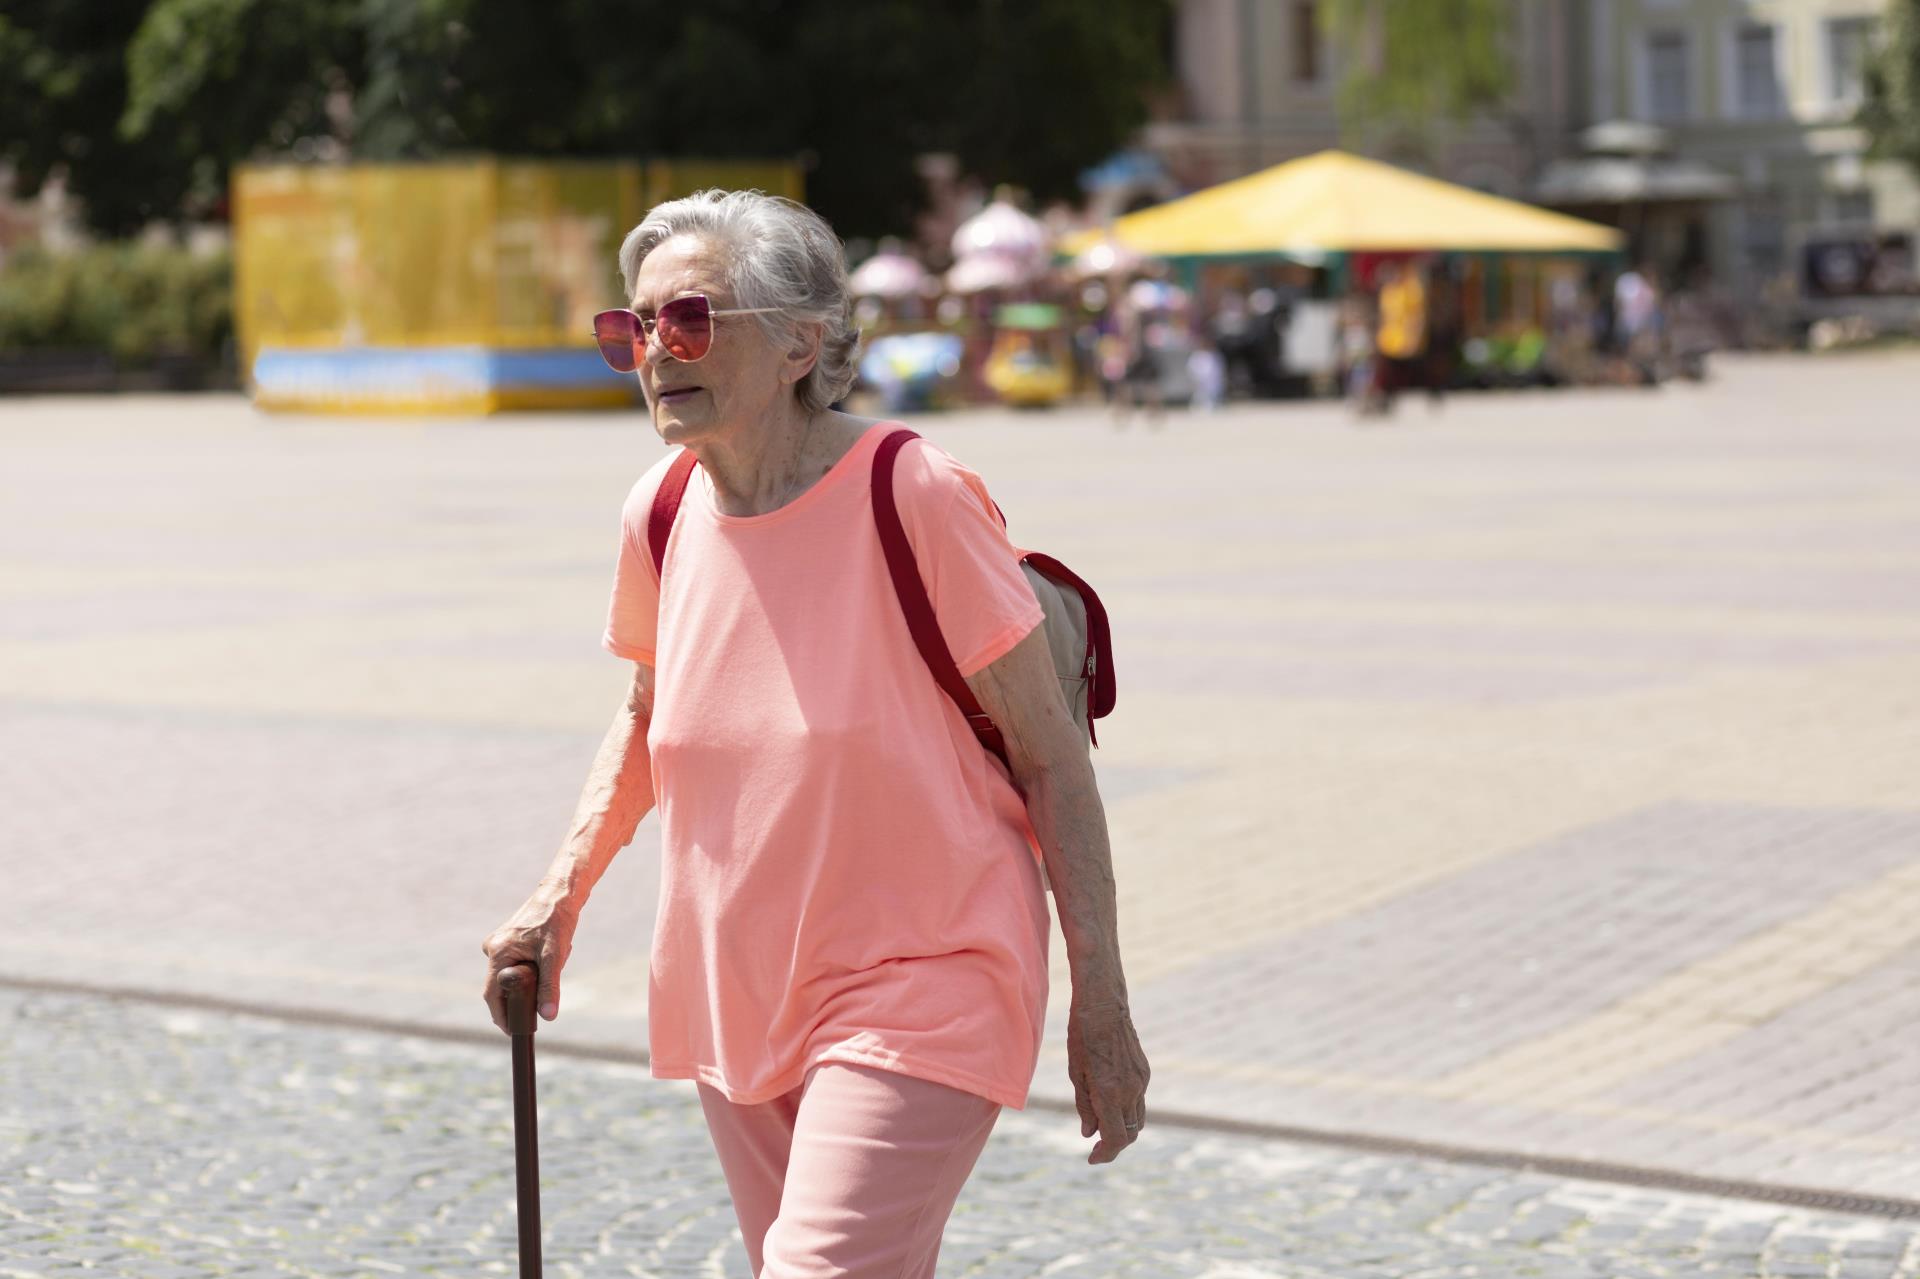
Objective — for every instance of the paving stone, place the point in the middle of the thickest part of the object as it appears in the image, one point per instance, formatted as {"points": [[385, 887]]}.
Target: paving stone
{"points": [[630, 1182]]}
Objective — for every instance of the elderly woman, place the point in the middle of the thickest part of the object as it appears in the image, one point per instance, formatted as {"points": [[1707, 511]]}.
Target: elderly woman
{"points": [[850, 959]]}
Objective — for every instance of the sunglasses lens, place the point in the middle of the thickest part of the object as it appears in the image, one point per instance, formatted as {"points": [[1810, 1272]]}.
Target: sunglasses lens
{"points": [[615, 331], [685, 328]]}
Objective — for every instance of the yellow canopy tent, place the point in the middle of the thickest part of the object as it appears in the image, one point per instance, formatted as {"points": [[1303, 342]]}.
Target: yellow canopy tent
{"points": [[1333, 202]]}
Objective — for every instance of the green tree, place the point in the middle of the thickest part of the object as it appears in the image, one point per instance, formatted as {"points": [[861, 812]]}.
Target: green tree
{"points": [[1891, 113], [63, 85], [1026, 92], [211, 82], [1409, 66]]}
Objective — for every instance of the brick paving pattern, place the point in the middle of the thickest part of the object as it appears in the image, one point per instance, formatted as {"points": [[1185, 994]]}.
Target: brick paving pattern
{"points": [[148, 1143]]}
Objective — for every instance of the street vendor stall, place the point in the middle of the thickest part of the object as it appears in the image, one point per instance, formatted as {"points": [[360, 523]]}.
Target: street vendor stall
{"points": [[1000, 256], [1333, 202], [1031, 365], [1315, 229]]}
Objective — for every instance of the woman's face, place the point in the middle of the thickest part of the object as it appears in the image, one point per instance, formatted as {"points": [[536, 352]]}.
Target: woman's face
{"points": [[743, 376]]}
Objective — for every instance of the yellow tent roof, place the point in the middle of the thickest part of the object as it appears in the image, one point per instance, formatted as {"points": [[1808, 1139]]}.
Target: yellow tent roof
{"points": [[1333, 202]]}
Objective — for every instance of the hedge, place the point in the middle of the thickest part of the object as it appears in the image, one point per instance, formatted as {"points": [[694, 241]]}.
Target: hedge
{"points": [[137, 303]]}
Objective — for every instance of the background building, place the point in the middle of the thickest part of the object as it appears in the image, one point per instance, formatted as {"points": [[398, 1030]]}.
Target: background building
{"points": [[1257, 84], [1764, 91], [1718, 132]]}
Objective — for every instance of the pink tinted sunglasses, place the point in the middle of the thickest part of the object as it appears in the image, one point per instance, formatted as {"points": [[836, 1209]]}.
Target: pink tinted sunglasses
{"points": [[682, 327]]}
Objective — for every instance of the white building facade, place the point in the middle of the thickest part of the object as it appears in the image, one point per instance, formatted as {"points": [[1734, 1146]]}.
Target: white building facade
{"points": [[1257, 85], [1765, 91], [1762, 91]]}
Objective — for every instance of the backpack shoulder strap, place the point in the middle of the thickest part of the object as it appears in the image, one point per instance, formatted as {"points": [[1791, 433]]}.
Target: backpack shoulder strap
{"points": [[914, 604], [666, 506]]}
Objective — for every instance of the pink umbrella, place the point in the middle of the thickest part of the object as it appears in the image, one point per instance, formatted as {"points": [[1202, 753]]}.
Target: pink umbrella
{"points": [[982, 271], [888, 274], [1002, 229]]}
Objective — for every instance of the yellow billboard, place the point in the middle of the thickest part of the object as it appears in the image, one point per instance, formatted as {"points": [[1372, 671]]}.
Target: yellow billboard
{"points": [[460, 286]]}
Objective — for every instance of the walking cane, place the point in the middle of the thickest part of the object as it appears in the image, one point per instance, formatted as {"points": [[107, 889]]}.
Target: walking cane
{"points": [[518, 987]]}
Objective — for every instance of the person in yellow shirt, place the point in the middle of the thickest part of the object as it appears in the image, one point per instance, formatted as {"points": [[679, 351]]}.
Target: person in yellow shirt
{"points": [[1401, 339]]}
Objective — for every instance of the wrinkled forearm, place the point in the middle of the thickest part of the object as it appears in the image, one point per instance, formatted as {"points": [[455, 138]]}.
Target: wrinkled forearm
{"points": [[1063, 803], [617, 794]]}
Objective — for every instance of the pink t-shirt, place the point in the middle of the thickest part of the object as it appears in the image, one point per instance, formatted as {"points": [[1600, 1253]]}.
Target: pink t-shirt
{"points": [[846, 874]]}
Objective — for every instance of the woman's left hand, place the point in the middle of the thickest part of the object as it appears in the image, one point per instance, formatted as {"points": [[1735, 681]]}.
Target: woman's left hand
{"points": [[1109, 1073]]}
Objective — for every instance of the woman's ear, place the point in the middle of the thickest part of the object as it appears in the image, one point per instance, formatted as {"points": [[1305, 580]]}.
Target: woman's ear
{"points": [[804, 353]]}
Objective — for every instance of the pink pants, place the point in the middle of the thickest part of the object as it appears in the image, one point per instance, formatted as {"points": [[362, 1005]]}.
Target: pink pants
{"points": [[852, 1174]]}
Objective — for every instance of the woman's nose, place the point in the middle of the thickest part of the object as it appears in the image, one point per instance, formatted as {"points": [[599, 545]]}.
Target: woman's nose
{"points": [[653, 350]]}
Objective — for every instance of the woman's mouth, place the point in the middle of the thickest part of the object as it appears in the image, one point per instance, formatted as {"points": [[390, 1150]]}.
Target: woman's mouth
{"points": [[678, 394]]}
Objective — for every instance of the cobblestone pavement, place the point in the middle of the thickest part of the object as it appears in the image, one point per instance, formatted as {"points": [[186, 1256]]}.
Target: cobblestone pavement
{"points": [[1542, 774], [149, 1143]]}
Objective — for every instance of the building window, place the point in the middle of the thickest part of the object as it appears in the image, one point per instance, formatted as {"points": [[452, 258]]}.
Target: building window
{"points": [[1757, 72], [1849, 41], [1763, 235], [1669, 97], [1852, 208], [1306, 42]]}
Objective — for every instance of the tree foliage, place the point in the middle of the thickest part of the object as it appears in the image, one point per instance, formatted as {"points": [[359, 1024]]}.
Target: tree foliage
{"points": [[63, 86], [134, 301], [1409, 66], [1023, 91], [1891, 112]]}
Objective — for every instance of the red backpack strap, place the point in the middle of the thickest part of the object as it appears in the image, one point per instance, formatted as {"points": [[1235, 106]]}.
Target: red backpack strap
{"points": [[666, 505], [914, 604]]}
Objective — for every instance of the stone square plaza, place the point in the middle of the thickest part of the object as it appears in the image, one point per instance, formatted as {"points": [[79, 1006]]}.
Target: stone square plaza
{"points": [[1515, 811]]}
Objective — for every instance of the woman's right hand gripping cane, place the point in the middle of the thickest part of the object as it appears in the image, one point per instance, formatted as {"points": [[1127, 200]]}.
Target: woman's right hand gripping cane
{"points": [[539, 933]]}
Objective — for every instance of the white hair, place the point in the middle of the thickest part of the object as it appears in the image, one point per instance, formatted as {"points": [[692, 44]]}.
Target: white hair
{"points": [[776, 253]]}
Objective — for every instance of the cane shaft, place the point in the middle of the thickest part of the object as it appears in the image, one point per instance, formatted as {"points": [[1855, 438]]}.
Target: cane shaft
{"points": [[526, 1156], [518, 986]]}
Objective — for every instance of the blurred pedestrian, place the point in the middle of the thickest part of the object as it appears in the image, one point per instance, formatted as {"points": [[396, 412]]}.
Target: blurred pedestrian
{"points": [[1111, 349], [1231, 330], [1446, 330], [1641, 324], [1633, 307], [851, 954], [1401, 340], [1605, 315], [1354, 337], [1207, 371], [1140, 383]]}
